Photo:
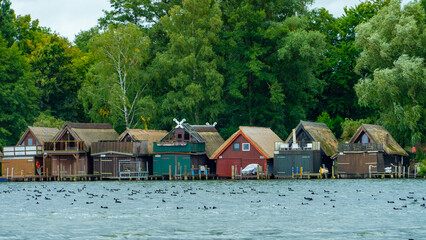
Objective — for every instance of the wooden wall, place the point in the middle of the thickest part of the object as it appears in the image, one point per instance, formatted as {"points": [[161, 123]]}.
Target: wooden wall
{"points": [[21, 167], [357, 163]]}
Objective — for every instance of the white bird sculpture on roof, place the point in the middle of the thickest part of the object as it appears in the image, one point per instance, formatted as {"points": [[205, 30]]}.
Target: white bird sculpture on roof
{"points": [[179, 124]]}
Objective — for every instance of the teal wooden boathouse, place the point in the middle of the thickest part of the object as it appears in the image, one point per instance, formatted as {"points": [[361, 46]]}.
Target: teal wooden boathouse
{"points": [[186, 147]]}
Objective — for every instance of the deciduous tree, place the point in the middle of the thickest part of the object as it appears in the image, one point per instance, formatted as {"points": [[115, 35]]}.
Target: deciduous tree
{"points": [[116, 87]]}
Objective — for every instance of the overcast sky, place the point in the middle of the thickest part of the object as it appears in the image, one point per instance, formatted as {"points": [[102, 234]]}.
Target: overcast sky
{"points": [[69, 17]]}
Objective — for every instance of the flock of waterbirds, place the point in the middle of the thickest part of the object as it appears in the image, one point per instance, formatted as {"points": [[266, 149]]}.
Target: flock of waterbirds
{"points": [[42, 194]]}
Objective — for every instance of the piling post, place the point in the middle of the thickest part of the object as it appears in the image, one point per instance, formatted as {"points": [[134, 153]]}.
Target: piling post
{"points": [[332, 172], [186, 176], [170, 172], [408, 172], [301, 172], [267, 174], [206, 172], [369, 171], [178, 169], [403, 172], [232, 172], [193, 173], [257, 172]]}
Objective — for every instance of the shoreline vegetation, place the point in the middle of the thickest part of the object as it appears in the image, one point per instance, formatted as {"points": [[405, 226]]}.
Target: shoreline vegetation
{"points": [[237, 63]]}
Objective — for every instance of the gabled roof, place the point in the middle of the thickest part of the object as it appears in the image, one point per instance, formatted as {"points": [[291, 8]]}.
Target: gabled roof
{"points": [[88, 132], [188, 128], [319, 132], [379, 134], [212, 137], [41, 134], [140, 135], [263, 139]]}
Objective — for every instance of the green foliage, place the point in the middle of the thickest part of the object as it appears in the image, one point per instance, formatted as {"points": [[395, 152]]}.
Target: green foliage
{"points": [[140, 13], [18, 94], [333, 123], [60, 70], [349, 127], [83, 38], [188, 68], [269, 58], [390, 34], [422, 167], [393, 47], [116, 84], [336, 67], [45, 119], [7, 17]]}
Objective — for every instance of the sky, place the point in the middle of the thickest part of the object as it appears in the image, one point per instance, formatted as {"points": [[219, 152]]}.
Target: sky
{"points": [[69, 17]]}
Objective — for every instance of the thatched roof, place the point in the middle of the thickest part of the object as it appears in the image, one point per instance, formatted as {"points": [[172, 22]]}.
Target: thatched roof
{"points": [[212, 137], [379, 134], [149, 135], [41, 134], [262, 138], [89, 132], [319, 132]]}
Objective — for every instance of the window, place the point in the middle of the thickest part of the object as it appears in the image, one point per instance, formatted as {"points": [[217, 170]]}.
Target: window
{"points": [[364, 138], [30, 141], [186, 136], [246, 146], [237, 146], [179, 136]]}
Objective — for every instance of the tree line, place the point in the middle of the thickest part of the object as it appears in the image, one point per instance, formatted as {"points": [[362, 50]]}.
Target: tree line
{"points": [[235, 62]]}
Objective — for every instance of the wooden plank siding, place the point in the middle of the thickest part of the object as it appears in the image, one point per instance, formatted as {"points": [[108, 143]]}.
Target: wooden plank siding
{"points": [[138, 148], [358, 163]]}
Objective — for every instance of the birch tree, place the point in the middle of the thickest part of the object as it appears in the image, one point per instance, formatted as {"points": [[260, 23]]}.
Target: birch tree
{"points": [[116, 83]]}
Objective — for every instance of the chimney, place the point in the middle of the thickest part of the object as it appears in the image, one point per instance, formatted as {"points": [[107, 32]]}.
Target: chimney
{"points": [[294, 135]]}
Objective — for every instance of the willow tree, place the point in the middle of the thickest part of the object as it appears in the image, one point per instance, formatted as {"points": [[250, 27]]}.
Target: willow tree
{"points": [[188, 68], [115, 85], [392, 64]]}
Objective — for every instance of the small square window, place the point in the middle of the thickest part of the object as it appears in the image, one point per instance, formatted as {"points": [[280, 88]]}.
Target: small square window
{"points": [[30, 141], [179, 136], [237, 146], [246, 146]]}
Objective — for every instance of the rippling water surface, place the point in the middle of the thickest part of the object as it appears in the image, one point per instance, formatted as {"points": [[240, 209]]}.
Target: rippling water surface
{"points": [[274, 209]]}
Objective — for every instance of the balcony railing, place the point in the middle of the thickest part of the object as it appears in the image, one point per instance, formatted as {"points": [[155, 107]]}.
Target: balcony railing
{"points": [[64, 146], [360, 147], [22, 151], [179, 147], [140, 147], [281, 146]]}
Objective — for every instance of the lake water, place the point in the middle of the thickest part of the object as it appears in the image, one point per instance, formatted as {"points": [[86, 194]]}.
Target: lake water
{"points": [[273, 209]]}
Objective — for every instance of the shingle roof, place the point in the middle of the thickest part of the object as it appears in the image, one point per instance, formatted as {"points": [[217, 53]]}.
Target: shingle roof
{"points": [[320, 133], [140, 134], [263, 138], [379, 134]]}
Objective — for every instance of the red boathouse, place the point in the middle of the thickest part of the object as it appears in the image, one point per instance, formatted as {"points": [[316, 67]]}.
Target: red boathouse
{"points": [[246, 146]]}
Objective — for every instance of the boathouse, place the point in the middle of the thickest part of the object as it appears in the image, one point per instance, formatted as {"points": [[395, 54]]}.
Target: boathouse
{"points": [[371, 149], [128, 157], [246, 146], [310, 146], [186, 147], [26, 158], [69, 152]]}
